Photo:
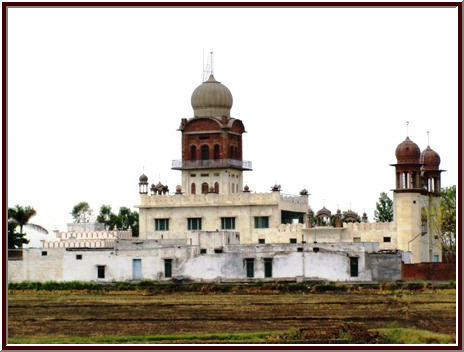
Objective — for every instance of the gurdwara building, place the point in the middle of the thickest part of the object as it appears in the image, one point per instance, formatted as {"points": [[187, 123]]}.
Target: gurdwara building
{"points": [[212, 196], [214, 228]]}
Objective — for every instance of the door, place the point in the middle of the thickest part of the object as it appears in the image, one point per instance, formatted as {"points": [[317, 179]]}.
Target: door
{"points": [[268, 267], [168, 268], [137, 269], [250, 267], [354, 266]]}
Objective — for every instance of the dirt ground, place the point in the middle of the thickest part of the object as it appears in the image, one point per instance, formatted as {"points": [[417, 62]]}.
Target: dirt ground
{"points": [[56, 314]]}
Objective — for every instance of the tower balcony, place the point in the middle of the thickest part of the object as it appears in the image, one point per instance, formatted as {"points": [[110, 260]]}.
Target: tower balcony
{"points": [[211, 164]]}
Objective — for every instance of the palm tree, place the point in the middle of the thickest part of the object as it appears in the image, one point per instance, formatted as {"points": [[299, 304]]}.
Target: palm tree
{"points": [[21, 215]]}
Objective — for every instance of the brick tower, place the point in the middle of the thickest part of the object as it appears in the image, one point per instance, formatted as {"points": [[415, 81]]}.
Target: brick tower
{"points": [[211, 143]]}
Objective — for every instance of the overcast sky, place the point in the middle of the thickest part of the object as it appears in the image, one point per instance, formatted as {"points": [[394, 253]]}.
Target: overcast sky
{"points": [[96, 95]]}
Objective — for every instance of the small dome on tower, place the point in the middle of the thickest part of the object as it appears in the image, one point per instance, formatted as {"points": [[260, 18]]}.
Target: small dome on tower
{"points": [[211, 98], [430, 159], [143, 178], [324, 212], [407, 152]]}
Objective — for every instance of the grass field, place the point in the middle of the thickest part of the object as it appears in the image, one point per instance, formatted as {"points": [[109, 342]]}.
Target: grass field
{"points": [[367, 316]]}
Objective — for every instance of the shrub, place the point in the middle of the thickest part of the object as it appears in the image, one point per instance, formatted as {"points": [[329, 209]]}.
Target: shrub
{"points": [[414, 286]]}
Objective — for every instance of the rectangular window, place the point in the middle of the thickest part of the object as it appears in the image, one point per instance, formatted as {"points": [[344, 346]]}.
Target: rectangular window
{"points": [[356, 239], [78, 256], [261, 222], [436, 258], [161, 224], [202, 250], [193, 175], [43, 253], [261, 241], [100, 271], [194, 224], [387, 239], [204, 175], [267, 267], [228, 223], [292, 240], [354, 266], [250, 267], [218, 251], [300, 249], [168, 268], [216, 174]]}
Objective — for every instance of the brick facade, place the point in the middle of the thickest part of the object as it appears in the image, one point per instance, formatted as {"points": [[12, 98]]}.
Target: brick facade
{"points": [[429, 271], [224, 141]]}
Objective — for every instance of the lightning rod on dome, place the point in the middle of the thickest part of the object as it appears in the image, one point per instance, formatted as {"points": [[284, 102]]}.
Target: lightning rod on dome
{"points": [[428, 138], [407, 128]]}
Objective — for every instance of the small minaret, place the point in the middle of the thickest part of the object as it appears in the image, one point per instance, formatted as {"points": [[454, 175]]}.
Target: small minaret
{"points": [[143, 184]]}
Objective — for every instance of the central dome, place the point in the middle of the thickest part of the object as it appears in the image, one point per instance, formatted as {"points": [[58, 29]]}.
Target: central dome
{"points": [[211, 98]]}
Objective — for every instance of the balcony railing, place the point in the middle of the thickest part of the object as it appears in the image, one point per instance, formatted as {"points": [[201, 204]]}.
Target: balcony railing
{"points": [[211, 164]]}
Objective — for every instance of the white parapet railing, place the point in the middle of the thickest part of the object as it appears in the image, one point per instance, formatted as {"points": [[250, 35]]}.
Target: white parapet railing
{"points": [[79, 244], [292, 198], [219, 163]]}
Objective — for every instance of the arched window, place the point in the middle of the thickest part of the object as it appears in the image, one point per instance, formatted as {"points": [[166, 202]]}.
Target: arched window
{"points": [[216, 187], [193, 153], [204, 152], [216, 151], [193, 189], [204, 188]]}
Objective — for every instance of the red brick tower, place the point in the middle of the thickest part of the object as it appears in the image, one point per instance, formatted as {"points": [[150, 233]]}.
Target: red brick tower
{"points": [[211, 143]]}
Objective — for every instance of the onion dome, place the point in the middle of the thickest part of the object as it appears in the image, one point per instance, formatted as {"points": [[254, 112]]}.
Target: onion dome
{"points": [[350, 216], [304, 192], [430, 159], [211, 98], [324, 212], [143, 178], [407, 152], [246, 188], [178, 189]]}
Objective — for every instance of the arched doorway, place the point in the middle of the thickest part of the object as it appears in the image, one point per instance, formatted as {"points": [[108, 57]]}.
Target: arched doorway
{"points": [[204, 188], [193, 189], [204, 152]]}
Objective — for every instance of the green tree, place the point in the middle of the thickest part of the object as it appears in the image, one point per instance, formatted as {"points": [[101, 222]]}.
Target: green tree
{"points": [[19, 217], [104, 216], [124, 220], [442, 222], [15, 239], [81, 212], [384, 211]]}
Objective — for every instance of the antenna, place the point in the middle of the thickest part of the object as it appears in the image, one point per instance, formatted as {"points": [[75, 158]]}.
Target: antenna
{"points": [[428, 138], [407, 128], [208, 69]]}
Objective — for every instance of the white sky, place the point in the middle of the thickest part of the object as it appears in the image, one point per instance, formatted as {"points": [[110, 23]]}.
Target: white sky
{"points": [[95, 95]]}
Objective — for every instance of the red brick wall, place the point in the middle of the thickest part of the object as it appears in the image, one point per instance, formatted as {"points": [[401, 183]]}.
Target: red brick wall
{"points": [[429, 271], [223, 139], [202, 124]]}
